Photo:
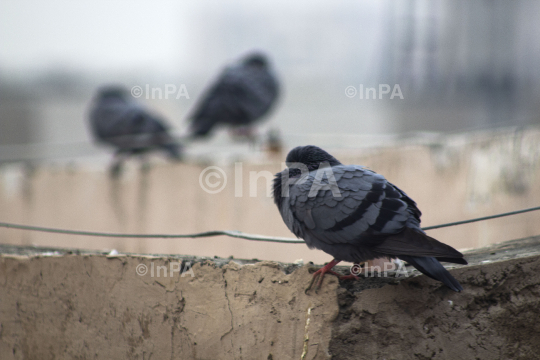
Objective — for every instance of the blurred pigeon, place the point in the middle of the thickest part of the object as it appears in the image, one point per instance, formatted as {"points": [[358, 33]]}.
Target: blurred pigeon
{"points": [[355, 214], [242, 94], [121, 122]]}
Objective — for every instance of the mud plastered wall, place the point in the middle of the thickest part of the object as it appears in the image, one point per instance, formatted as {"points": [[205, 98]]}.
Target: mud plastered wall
{"points": [[98, 307]]}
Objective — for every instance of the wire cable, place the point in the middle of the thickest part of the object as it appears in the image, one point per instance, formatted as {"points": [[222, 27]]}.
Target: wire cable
{"points": [[481, 218], [230, 233]]}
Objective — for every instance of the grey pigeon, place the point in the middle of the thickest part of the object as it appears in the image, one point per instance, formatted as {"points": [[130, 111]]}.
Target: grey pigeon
{"points": [[242, 94], [356, 215], [117, 120]]}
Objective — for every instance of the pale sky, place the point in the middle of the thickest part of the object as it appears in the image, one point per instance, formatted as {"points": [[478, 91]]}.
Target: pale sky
{"points": [[92, 34], [170, 36]]}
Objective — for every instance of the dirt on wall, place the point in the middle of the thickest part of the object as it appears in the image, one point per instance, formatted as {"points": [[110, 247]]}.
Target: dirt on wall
{"points": [[95, 307], [497, 316], [57, 305]]}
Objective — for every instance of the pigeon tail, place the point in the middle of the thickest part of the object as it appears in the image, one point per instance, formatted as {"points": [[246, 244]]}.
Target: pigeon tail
{"points": [[429, 266]]}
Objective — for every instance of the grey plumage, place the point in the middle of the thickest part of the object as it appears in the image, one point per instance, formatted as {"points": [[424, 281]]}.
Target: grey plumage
{"points": [[117, 120], [242, 94], [369, 219]]}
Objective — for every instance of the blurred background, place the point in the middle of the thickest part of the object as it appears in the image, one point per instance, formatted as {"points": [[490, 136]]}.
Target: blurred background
{"points": [[460, 66]]}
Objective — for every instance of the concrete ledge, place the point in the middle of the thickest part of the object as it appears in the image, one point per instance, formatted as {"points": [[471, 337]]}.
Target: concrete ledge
{"points": [[97, 306], [495, 317]]}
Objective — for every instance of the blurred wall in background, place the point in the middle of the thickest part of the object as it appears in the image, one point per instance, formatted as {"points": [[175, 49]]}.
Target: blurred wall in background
{"points": [[452, 178]]}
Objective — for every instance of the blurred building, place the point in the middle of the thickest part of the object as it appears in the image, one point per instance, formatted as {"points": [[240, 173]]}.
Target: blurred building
{"points": [[44, 118], [466, 64], [459, 65], [16, 116]]}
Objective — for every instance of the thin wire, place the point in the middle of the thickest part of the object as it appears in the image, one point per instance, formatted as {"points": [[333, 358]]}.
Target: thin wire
{"points": [[231, 233], [481, 218]]}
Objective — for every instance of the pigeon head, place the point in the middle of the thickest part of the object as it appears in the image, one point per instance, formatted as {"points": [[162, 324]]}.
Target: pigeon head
{"points": [[112, 92], [311, 156], [256, 59]]}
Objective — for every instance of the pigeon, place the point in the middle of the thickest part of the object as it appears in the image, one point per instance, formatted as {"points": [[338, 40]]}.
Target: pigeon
{"points": [[121, 122], [355, 215], [242, 94]]}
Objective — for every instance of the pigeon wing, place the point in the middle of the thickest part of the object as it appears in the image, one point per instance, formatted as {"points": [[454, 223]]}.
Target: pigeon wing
{"points": [[128, 125], [240, 95], [365, 202], [369, 212]]}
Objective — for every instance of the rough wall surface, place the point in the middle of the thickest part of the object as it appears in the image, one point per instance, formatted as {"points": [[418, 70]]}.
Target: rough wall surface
{"points": [[93, 307], [99, 307], [496, 317]]}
